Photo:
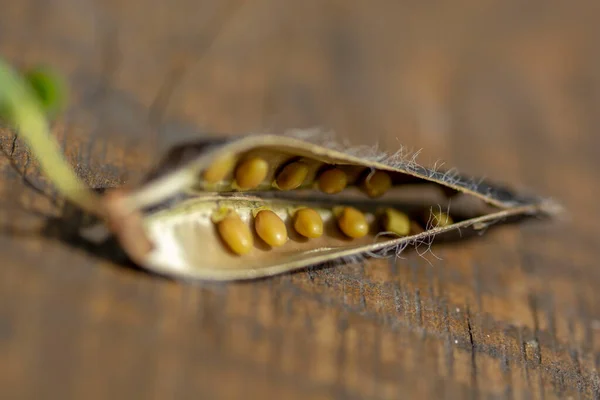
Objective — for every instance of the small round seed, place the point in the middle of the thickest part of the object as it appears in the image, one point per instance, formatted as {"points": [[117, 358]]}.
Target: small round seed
{"points": [[270, 228], [333, 181], [235, 233], [440, 219], [377, 183], [219, 169], [308, 223], [251, 172], [396, 222], [292, 176], [353, 223]]}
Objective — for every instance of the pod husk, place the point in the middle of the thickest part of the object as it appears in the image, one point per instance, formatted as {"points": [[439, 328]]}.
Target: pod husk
{"points": [[174, 210]]}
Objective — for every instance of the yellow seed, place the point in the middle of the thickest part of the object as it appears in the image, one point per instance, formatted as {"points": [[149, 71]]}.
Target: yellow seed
{"points": [[251, 172], [353, 223], [333, 181], [235, 233], [440, 219], [270, 228], [308, 223], [292, 176], [396, 222], [377, 183], [219, 169]]}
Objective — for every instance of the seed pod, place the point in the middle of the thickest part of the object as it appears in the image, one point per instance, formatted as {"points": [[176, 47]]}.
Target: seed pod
{"points": [[352, 222], [310, 214], [292, 176], [396, 222], [377, 183], [308, 223], [333, 181], [235, 233], [250, 173], [219, 169], [270, 228]]}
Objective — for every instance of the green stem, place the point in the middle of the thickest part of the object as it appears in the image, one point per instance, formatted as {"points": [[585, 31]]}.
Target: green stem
{"points": [[26, 115]]}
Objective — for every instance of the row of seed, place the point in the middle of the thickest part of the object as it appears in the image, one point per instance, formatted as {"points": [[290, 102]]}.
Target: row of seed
{"points": [[253, 171], [308, 223]]}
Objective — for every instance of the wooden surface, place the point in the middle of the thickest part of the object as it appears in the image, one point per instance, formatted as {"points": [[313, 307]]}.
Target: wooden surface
{"points": [[505, 89]]}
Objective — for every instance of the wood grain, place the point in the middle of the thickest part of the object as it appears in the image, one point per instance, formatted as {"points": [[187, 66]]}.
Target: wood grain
{"points": [[504, 89]]}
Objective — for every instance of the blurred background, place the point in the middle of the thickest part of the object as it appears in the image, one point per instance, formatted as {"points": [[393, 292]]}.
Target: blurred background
{"points": [[446, 77], [505, 89]]}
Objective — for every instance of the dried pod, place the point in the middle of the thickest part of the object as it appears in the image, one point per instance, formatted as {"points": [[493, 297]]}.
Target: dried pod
{"points": [[322, 225], [167, 222]]}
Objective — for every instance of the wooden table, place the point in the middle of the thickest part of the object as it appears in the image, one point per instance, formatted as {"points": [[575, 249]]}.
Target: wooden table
{"points": [[504, 89]]}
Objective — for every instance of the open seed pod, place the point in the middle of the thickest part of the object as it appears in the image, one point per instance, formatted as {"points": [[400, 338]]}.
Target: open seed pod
{"points": [[259, 205]]}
